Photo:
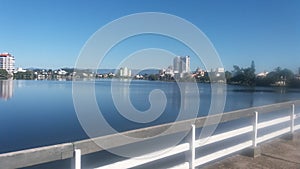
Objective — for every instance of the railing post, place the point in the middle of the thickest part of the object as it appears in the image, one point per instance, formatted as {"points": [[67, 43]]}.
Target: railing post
{"points": [[255, 125], [255, 150], [77, 159], [292, 124], [191, 153], [292, 118]]}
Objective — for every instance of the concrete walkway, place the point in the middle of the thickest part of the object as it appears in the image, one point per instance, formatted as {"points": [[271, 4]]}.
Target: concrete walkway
{"points": [[277, 154]]}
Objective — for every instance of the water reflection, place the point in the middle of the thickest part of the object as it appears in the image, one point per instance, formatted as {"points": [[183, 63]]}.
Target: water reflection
{"points": [[189, 98], [6, 89]]}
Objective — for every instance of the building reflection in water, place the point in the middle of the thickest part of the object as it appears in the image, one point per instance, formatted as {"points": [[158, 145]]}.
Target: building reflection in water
{"points": [[6, 89]]}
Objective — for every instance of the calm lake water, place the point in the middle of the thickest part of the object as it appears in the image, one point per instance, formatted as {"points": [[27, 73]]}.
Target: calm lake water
{"points": [[38, 113]]}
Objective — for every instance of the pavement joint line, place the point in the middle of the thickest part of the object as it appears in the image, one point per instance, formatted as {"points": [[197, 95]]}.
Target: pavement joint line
{"points": [[278, 158]]}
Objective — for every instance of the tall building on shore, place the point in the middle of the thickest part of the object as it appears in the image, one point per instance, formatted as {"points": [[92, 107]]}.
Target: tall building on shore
{"points": [[185, 64], [7, 62], [176, 65], [125, 72], [181, 65]]}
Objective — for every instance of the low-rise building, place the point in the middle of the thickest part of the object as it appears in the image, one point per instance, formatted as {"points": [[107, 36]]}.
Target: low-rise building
{"points": [[262, 74], [200, 72], [19, 69]]}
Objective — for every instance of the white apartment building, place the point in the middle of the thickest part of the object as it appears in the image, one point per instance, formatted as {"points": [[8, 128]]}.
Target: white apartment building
{"points": [[7, 62], [181, 65], [125, 72], [185, 64]]}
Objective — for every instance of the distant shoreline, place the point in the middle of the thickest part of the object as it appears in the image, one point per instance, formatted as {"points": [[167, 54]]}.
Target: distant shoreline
{"points": [[167, 81]]}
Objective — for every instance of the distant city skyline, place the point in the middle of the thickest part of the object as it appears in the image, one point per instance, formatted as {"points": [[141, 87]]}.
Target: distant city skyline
{"points": [[50, 34]]}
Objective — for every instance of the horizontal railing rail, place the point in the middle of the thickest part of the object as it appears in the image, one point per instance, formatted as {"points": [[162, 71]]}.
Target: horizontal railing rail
{"points": [[76, 149]]}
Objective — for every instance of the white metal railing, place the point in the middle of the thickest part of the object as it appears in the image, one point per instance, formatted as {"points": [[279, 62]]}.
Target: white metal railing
{"points": [[191, 146]]}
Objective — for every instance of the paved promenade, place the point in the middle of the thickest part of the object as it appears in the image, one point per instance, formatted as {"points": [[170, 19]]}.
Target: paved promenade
{"points": [[278, 154]]}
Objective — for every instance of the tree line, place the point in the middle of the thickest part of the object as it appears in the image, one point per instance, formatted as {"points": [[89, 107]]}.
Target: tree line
{"points": [[277, 77]]}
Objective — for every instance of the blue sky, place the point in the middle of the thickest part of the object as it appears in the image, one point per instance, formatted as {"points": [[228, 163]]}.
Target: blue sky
{"points": [[51, 33]]}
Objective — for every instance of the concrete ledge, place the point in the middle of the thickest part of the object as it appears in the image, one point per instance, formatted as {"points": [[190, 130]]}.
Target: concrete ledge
{"points": [[35, 156]]}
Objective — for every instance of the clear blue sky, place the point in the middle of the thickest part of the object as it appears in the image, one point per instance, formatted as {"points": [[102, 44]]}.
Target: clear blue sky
{"points": [[51, 33]]}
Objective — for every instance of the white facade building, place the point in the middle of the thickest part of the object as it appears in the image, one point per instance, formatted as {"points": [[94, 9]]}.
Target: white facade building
{"points": [[19, 69], [181, 65], [262, 74], [185, 64], [220, 70], [7, 62], [125, 72], [176, 65]]}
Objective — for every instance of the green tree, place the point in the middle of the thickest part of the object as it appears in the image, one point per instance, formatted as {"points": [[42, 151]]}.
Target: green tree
{"points": [[244, 76], [294, 83], [236, 70], [252, 67], [287, 74], [3, 73], [153, 77], [279, 74], [228, 76], [249, 76], [24, 75]]}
